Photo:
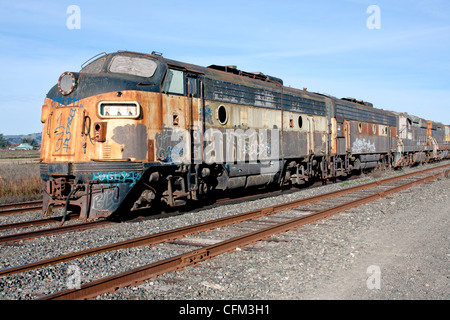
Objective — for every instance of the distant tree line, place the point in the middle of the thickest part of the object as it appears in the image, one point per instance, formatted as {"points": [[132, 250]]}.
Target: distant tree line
{"points": [[3, 142], [30, 141]]}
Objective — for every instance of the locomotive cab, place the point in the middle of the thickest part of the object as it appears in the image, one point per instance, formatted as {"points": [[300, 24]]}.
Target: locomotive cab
{"points": [[96, 124]]}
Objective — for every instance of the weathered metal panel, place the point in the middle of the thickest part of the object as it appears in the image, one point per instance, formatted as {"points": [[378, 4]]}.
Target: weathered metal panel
{"points": [[295, 144], [304, 104], [237, 93], [298, 136], [59, 169], [320, 147], [352, 111], [341, 145], [437, 132], [367, 138], [240, 94]]}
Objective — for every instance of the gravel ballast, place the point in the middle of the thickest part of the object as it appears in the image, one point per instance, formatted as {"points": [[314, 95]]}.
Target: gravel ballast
{"points": [[404, 237]]}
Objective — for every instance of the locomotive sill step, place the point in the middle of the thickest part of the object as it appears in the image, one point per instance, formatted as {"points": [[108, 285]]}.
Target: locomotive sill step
{"points": [[178, 203]]}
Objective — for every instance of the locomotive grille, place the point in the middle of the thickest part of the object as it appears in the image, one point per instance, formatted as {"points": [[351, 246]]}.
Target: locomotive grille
{"points": [[107, 152]]}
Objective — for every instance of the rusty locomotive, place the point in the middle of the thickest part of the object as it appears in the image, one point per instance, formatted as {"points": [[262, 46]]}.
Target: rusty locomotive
{"points": [[133, 130]]}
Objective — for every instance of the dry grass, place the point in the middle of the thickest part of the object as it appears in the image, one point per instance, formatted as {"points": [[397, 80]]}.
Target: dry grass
{"points": [[19, 182], [19, 154]]}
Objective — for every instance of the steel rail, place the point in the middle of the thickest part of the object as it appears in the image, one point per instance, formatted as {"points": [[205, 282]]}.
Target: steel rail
{"points": [[170, 235], [140, 274], [20, 204], [53, 231], [22, 207], [6, 212], [34, 223]]}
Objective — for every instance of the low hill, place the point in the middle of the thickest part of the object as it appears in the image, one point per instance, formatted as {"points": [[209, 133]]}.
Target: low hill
{"points": [[17, 139]]}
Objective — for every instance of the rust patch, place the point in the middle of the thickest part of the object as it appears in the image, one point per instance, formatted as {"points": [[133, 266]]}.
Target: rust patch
{"points": [[134, 140], [393, 132], [151, 150], [100, 131]]}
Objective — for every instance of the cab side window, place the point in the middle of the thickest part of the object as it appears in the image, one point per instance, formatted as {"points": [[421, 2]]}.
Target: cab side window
{"points": [[192, 86], [339, 130], [174, 82]]}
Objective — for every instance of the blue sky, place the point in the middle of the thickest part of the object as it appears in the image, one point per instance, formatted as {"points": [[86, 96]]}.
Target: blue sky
{"points": [[322, 45]]}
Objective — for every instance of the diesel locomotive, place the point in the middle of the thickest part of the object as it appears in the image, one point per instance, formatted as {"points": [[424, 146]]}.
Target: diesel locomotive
{"points": [[132, 130]]}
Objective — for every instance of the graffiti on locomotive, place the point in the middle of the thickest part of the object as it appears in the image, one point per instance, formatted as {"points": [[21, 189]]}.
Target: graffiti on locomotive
{"points": [[251, 146]]}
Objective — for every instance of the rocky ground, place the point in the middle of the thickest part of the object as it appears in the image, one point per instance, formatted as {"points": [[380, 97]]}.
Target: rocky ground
{"points": [[394, 248]]}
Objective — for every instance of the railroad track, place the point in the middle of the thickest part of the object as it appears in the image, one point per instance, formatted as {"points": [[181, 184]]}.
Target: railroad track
{"points": [[93, 224], [15, 208], [37, 222], [53, 231], [267, 222], [59, 229], [140, 214], [24, 207]]}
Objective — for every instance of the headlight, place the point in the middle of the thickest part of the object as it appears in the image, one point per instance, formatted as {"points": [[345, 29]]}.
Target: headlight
{"points": [[66, 83], [119, 109], [44, 113]]}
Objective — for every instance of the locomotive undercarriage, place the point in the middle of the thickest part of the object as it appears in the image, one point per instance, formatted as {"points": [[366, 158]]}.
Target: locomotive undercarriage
{"points": [[97, 190], [174, 185], [94, 189], [183, 183], [417, 158], [91, 200], [96, 193]]}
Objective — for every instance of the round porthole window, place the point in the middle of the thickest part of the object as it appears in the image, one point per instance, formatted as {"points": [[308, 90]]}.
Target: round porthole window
{"points": [[222, 114], [300, 122], [66, 83]]}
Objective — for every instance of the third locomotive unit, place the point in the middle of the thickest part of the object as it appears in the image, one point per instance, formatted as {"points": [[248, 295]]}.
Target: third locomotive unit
{"points": [[132, 130]]}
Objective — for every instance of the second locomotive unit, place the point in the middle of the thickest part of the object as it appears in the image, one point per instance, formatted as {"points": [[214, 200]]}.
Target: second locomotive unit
{"points": [[133, 130]]}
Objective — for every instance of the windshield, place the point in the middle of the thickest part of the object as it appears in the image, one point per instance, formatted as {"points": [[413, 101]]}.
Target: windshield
{"points": [[136, 66], [95, 66]]}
